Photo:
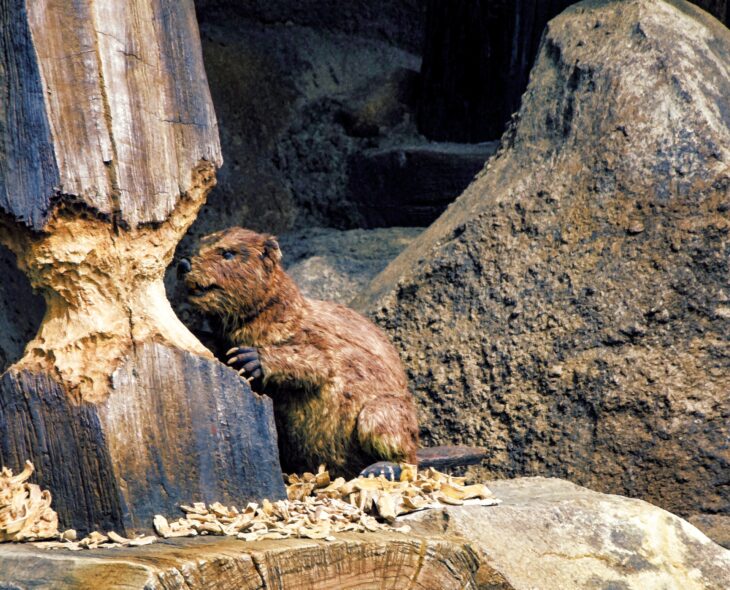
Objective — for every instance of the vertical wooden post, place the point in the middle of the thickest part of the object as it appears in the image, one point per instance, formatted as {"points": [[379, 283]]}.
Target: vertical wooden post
{"points": [[109, 146]]}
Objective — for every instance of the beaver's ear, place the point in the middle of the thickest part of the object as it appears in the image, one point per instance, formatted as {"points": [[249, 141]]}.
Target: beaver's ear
{"points": [[271, 249]]}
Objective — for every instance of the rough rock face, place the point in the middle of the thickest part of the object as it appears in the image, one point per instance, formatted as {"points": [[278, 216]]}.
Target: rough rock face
{"points": [[571, 309], [554, 535], [294, 102], [477, 58], [337, 265]]}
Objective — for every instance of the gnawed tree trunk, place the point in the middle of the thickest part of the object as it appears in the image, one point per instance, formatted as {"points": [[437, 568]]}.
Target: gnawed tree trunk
{"points": [[109, 148]]}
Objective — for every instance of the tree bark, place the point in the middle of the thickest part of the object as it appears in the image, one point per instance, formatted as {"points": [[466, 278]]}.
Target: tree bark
{"points": [[110, 146]]}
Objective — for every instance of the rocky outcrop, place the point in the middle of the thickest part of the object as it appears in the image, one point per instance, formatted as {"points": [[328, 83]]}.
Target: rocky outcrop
{"points": [[570, 310], [554, 535], [294, 101], [477, 58]]}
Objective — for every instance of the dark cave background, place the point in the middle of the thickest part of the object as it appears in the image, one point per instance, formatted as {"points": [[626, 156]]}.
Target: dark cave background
{"points": [[341, 122]]}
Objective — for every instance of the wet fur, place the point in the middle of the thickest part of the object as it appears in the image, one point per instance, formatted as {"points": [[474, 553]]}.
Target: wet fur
{"points": [[340, 393]]}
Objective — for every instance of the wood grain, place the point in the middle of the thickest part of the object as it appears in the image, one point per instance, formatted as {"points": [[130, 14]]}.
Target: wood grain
{"points": [[355, 562], [28, 171], [65, 443], [181, 428], [114, 99], [176, 428]]}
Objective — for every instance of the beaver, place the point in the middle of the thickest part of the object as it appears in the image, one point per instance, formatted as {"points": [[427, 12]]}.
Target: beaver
{"points": [[340, 393], [339, 389]]}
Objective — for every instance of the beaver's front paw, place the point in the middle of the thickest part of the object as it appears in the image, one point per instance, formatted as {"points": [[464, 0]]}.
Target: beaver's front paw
{"points": [[246, 361]]}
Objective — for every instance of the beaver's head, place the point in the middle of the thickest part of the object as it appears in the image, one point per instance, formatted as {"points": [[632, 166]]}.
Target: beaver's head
{"points": [[234, 273]]}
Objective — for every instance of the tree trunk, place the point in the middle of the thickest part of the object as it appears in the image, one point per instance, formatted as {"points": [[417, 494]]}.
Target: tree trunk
{"points": [[355, 561], [109, 148]]}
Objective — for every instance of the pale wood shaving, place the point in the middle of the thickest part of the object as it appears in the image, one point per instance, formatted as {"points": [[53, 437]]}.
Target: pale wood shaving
{"points": [[25, 509], [317, 507], [96, 540]]}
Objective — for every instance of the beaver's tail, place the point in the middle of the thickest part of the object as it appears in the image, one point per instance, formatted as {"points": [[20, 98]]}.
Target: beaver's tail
{"points": [[440, 458], [445, 457]]}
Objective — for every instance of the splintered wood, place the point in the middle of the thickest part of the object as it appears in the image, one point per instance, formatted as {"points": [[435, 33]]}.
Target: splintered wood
{"points": [[25, 509], [318, 507]]}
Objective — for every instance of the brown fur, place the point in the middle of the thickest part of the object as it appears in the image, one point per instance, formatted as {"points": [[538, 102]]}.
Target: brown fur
{"points": [[339, 389]]}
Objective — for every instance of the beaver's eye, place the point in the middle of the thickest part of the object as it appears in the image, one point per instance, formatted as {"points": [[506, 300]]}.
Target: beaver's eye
{"points": [[229, 254]]}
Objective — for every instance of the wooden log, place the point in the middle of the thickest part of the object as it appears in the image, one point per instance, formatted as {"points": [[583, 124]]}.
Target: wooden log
{"points": [[353, 561], [176, 428], [110, 146], [106, 105]]}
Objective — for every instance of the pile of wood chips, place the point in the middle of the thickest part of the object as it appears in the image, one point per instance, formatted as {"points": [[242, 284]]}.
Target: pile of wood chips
{"points": [[26, 515], [68, 540], [316, 508], [25, 509]]}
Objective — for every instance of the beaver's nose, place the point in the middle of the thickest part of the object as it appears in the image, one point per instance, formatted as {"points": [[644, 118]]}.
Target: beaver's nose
{"points": [[183, 267]]}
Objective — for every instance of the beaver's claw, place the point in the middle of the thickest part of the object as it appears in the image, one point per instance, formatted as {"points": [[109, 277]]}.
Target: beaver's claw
{"points": [[245, 360]]}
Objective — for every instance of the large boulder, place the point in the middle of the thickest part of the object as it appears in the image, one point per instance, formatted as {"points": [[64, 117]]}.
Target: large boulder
{"points": [[477, 58], [554, 535], [571, 309]]}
